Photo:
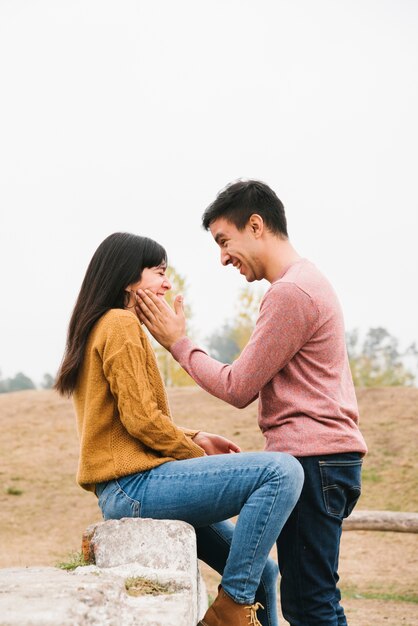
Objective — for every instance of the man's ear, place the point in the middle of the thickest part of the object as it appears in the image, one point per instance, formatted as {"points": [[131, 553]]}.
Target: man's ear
{"points": [[256, 225]]}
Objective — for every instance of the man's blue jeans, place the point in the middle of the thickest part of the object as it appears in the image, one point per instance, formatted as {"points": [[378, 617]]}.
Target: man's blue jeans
{"points": [[308, 546], [261, 487]]}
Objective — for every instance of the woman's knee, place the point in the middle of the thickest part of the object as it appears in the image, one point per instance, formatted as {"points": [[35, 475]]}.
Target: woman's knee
{"points": [[286, 466]]}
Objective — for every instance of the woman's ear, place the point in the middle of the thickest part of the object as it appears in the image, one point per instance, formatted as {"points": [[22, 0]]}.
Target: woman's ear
{"points": [[127, 298]]}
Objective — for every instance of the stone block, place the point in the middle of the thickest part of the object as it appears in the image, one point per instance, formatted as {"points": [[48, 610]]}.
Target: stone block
{"points": [[95, 595], [151, 543]]}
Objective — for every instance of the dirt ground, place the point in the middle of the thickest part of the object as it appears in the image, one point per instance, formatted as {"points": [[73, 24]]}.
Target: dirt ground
{"points": [[43, 512]]}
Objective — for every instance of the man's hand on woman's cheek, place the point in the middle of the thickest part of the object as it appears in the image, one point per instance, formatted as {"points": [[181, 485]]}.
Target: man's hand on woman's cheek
{"points": [[165, 325]]}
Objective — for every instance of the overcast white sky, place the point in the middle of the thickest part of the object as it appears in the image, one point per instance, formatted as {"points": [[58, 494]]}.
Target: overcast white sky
{"points": [[132, 116]]}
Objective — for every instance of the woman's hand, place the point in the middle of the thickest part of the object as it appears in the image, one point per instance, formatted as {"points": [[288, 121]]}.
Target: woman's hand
{"points": [[215, 444], [164, 324]]}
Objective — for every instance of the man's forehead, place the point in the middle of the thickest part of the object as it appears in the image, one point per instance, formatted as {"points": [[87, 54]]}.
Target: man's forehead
{"points": [[221, 227]]}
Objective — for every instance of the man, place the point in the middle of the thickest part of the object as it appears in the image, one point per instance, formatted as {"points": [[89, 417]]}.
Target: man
{"points": [[296, 364]]}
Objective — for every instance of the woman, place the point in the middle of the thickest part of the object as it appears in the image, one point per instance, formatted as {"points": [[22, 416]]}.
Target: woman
{"points": [[139, 463]]}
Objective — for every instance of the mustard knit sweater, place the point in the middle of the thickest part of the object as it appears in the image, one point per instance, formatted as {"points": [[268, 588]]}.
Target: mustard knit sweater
{"points": [[123, 418]]}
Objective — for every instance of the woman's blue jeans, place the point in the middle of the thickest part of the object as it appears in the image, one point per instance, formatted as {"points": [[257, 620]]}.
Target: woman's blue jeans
{"points": [[261, 487], [213, 546]]}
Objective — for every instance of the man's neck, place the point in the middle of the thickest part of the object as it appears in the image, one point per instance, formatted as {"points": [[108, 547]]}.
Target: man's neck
{"points": [[280, 254]]}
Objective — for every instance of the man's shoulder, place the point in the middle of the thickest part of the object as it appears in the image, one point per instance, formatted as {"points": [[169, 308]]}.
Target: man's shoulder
{"points": [[295, 281], [306, 277], [303, 285], [288, 295]]}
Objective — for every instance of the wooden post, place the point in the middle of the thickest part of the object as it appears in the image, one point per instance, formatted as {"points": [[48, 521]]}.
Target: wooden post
{"points": [[382, 520]]}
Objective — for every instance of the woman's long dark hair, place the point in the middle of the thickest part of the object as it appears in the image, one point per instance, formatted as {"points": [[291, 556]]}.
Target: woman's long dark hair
{"points": [[117, 262]]}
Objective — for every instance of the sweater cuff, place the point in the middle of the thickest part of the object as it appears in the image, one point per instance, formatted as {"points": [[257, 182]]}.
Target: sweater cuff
{"points": [[196, 451], [189, 432]]}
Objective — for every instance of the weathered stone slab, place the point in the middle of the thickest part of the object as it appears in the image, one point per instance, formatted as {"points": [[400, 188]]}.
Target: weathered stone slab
{"points": [[163, 551], [88, 596], [151, 543]]}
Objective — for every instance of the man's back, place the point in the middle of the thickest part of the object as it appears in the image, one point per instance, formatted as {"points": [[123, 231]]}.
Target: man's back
{"points": [[309, 406]]}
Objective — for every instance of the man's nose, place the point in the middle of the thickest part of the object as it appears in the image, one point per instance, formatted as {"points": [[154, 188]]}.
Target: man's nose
{"points": [[225, 258]]}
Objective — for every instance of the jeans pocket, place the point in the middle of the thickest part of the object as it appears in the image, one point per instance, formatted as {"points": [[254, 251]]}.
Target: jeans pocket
{"points": [[341, 485], [116, 504]]}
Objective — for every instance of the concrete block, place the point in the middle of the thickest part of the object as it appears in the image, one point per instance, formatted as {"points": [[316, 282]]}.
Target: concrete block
{"points": [[48, 596], [152, 543], [95, 595]]}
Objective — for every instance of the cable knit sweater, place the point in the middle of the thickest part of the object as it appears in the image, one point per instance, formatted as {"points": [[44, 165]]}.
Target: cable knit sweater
{"points": [[123, 416], [296, 364]]}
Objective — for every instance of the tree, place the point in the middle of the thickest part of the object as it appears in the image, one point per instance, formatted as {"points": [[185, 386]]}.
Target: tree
{"points": [[227, 343], [247, 310], [17, 383], [2, 384], [378, 360], [172, 373], [222, 345], [47, 382]]}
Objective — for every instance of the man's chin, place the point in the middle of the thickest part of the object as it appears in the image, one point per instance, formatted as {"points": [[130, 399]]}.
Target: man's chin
{"points": [[249, 276]]}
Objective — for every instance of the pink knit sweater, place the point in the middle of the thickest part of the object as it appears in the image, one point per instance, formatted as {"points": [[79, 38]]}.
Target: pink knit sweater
{"points": [[296, 364]]}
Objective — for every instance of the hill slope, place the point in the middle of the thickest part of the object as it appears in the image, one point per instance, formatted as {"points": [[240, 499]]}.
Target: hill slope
{"points": [[43, 512]]}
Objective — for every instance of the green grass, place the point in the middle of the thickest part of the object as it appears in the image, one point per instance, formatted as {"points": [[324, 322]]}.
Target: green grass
{"points": [[370, 475], [13, 491], [377, 595], [74, 560]]}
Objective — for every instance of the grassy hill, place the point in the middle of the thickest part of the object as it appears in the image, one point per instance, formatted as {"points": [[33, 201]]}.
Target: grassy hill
{"points": [[43, 512]]}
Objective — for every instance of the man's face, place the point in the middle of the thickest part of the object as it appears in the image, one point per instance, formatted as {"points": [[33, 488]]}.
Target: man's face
{"points": [[238, 248]]}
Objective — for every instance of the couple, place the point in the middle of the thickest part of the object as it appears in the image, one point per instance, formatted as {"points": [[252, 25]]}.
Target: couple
{"points": [[139, 463]]}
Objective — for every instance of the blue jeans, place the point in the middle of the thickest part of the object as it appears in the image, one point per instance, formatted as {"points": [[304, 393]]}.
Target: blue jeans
{"points": [[213, 546], [261, 487], [308, 546]]}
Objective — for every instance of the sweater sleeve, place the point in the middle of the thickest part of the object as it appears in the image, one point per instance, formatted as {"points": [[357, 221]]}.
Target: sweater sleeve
{"points": [[189, 432], [287, 319], [127, 375]]}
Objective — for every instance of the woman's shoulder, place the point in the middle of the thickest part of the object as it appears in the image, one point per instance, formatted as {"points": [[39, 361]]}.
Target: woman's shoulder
{"points": [[119, 314], [119, 321], [116, 331]]}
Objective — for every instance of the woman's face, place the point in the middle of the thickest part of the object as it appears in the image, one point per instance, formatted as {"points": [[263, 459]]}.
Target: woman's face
{"points": [[154, 279]]}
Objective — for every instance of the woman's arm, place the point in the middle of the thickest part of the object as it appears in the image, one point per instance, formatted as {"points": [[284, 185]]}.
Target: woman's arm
{"points": [[127, 374]]}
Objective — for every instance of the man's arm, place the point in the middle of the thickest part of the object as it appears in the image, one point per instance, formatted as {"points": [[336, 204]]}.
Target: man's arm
{"points": [[287, 319]]}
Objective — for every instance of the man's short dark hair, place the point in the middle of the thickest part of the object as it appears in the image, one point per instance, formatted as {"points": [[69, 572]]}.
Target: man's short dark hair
{"points": [[239, 200]]}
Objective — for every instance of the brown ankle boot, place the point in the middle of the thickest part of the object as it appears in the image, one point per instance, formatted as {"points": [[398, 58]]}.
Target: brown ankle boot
{"points": [[225, 612]]}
